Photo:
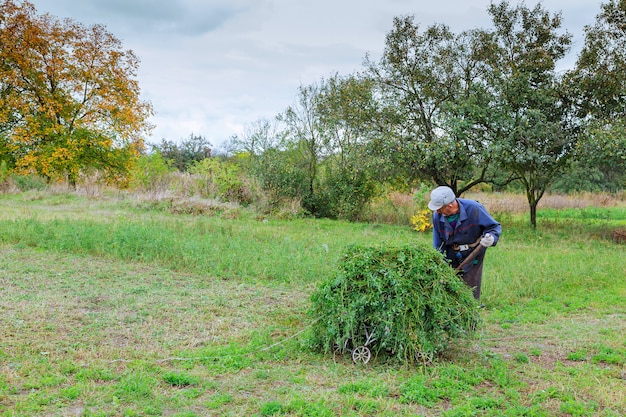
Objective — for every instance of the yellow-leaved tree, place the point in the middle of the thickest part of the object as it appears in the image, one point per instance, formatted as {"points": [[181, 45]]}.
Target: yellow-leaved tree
{"points": [[69, 99]]}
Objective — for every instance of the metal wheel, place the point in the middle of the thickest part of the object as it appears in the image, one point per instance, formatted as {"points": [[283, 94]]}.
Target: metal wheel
{"points": [[361, 354]]}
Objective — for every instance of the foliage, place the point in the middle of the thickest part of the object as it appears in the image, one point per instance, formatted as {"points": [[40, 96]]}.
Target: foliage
{"points": [[407, 297], [317, 158], [4, 173], [69, 98], [422, 220], [428, 83], [221, 179], [599, 80], [305, 136], [151, 173], [600, 73], [280, 177], [182, 156], [603, 149], [346, 180], [536, 129], [583, 176], [342, 193], [29, 182]]}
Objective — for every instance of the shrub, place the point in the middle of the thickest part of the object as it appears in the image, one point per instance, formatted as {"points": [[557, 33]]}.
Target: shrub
{"points": [[221, 179], [342, 194], [153, 173], [29, 182], [280, 179], [405, 302], [421, 221]]}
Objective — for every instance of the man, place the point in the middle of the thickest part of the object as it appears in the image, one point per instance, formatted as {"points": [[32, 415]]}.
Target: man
{"points": [[459, 225]]}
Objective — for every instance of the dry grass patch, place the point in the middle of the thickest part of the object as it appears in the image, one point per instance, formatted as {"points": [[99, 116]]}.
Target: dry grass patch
{"points": [[517, 203], [86, 307]]}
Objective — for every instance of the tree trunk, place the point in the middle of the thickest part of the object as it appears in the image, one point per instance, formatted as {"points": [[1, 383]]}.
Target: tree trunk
{"points": [[533, 214]]}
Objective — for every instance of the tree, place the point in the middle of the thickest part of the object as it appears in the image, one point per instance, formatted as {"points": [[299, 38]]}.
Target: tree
{"points": [[427, 84], [257, 137], [220, 178], [600, 73], [603, 149], [69, 100], [306, 136], [599, 80], [348, 182], [182, 156], [538, 133]]}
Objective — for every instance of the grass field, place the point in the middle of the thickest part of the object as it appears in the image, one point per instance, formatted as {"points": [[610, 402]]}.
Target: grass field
{"points": [[111, 307]]}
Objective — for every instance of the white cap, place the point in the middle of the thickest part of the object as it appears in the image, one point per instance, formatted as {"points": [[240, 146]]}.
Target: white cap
{"points": [[440, 197]]}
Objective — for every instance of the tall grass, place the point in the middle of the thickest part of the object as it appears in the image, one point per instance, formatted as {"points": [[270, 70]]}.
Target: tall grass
{"points": [[300, 250], [570, 246]]}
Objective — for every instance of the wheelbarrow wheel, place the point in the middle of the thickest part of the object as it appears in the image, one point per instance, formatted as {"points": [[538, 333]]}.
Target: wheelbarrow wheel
{"points": [[361, 354]]}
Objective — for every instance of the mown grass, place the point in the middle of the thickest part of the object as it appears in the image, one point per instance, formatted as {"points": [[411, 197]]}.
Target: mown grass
{"points": [[110, 309]]}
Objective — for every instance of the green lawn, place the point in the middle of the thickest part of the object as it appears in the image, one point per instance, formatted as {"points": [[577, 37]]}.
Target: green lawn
{"points": [[113, 308]]}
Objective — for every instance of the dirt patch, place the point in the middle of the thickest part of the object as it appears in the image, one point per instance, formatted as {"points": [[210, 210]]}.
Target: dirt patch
{"points": [[619, 236]]}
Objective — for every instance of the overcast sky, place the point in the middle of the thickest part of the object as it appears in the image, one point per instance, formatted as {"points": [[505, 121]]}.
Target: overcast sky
{"points": [[212, 67]]}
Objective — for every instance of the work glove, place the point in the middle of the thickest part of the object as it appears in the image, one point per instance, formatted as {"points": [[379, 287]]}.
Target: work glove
{"points": [[487, 240]]}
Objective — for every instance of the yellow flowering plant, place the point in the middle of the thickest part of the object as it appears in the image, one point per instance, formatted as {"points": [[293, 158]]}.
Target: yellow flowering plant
{"points": [[421, 221]]}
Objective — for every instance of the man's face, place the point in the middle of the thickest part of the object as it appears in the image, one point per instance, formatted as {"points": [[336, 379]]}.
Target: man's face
{"points": [[448, 209]]}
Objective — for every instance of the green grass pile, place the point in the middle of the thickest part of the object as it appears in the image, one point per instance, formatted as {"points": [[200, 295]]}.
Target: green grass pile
{"points": [[402, 303]]}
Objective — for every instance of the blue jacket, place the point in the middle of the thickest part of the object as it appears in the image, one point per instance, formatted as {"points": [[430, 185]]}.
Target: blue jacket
{"points": [[473, 222]]}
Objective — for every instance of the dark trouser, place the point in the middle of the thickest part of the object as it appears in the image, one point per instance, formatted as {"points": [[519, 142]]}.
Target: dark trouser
{"points": [[474, 276]]}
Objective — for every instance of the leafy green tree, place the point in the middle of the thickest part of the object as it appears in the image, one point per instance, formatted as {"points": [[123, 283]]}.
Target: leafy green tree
{"points": [[281, 176], [185, 154], [603, 149], [69, 100], [266, 152], [531, 115], [251, 149], [326, 131], [307, 138], [584, 177], [599, 81], [600, 73], [346, 106], [313, 152], [257, 137], [347, 179], [431, 100]]}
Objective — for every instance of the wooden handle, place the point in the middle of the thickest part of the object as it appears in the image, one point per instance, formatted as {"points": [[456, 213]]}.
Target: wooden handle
{"points": [[469, 258]]}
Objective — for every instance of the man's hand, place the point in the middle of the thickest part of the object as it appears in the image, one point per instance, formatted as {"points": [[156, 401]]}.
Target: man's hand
{"points": [[487, 240]]}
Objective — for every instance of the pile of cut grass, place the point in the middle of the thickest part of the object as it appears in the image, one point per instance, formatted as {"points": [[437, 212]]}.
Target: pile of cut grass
{"points": [[405, 302]]}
